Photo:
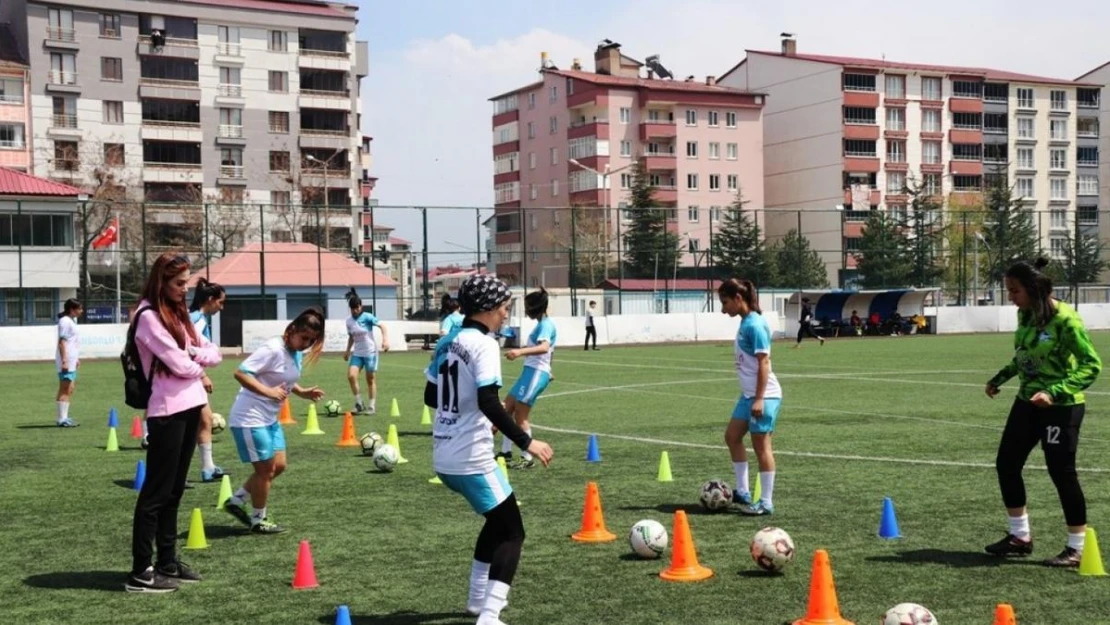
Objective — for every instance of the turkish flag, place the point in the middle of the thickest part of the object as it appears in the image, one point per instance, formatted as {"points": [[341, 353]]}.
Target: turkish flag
{"points": [[109, 236]]}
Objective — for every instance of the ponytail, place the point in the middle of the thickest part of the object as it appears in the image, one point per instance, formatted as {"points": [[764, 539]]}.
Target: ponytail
{"points": [[70, 305], [205, 292], [354, 302], [744, 289]]}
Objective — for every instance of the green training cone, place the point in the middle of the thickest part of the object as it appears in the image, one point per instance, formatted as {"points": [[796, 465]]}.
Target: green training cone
{"points": [[665, 468], [113, 441], [225, 492], [1091, 562]]}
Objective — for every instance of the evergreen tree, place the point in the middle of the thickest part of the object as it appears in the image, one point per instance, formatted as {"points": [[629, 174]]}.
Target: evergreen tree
{"points": [[648, 247], [738, 246], [796, 266], [924, 225], [1082, 263], [1009, 231], [882, 260]]}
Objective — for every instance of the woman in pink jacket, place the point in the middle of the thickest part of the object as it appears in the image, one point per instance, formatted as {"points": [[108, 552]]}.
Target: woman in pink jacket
{"points": [[169, 346]]}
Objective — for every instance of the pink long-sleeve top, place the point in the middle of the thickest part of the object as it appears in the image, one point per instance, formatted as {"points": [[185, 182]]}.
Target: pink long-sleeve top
{"points": [[181, 388]]}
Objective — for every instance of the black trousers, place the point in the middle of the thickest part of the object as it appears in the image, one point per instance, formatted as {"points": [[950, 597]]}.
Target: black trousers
{"points": [[590, 332], [1056, 428], [804, 330], [171, 443], [500, 541]]}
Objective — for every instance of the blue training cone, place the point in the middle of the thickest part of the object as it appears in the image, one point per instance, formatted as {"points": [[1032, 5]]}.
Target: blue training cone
{"points": [[113, 418], [343, 616], [140, 475], [888, 525], [593, 454]]}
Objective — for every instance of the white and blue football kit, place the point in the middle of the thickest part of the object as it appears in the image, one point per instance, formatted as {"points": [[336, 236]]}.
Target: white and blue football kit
{"points": [[254, 418], [754, 337], [462, 440], [451, 322], [364, 349], [537, 368], [202, 323]]}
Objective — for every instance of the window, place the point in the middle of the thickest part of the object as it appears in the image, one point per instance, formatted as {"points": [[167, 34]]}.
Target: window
{"points": [[1085, 127], [1025, 98], [38, 230], [230, 82], [896, 151], [1058, 159], [531, 130], [553, 93], [967, 121], [930, 120], [693, 214], [1058, 129], [279, 41], [227, 40], [554, 156], [111, 68], [65, 112], [1058, 219], [114, 155], [967, 152], [1023, 187], [11, 135], [554, 188], [11, 90], [1058, 99], [532, 100], [930, 152], [895, 183], [63, 69], [967, 89], [930, 184], [731, 151], [1087, 215], [859, 115], [996, 92], [279, 122], [995, 123], [279, 82], [712, 119], [931, 88], [1058, 188], [553, 124], [692, 182], [626, 181], [733, 181], [534, 222], [967, 183], [109, 26], [61, 24], [691, 149], [714, 150], [730, 119], [714, 213], [1087, 156], [896, 119], [113, 112], [1026, 128], [895, 87], [626, 148], [1087, 184], [531, 160], [1057, 247], [66, 156], [626, 115], [1025, 158], [279, 161], [506, 163], [714, 182], [533, 192], [859, 82], [231, 157], [859, 148], [691, 117]]}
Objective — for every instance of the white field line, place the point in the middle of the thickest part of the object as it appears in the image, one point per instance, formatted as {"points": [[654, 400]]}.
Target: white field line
{"points": [[836, 367]]}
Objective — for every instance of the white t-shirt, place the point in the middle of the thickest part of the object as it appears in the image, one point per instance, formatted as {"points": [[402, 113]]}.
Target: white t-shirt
{"points": [[545, 331], [361, 329], [754, 337], [589, 318], [67, 333], [272, 365], [462, 442]]}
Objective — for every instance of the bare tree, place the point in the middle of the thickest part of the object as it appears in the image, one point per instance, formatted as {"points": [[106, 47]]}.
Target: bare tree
{"points": [[587, 240], [305, 200]]}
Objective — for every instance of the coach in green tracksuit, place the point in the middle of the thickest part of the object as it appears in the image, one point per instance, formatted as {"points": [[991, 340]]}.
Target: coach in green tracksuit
{"points": [[1054, 361]]}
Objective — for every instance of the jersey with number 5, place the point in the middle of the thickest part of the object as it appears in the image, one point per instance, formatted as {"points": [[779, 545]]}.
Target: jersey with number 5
{"points": [[462, 441]]}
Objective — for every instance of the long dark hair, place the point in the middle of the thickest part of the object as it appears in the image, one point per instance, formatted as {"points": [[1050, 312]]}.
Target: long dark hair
{"points": [[204, 292], [311, 319], [354, 302], [173, 315], [70, 306], [1038, 287], [535, 304], [448, 305], [744, 289]]}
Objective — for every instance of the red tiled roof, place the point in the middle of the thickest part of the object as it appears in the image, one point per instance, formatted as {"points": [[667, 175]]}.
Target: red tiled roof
{"points": [[291, 264], [652, 83], [986, 73], [399, 241], [303, 8], [647, 284], [13, 182]]}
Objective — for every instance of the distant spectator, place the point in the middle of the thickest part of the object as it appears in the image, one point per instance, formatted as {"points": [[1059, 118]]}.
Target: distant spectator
{"points": [[856, 323], [591, 330], [805, 324]]}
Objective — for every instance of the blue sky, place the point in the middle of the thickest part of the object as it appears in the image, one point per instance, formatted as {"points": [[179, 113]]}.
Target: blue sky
{"points": [[433, 65]]}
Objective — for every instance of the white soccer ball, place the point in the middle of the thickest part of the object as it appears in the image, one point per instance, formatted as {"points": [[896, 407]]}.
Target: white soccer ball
{"points": [[332, 408], [386, 457], [648, 539], [772, 549], [716, 495], [219, 424], [909, 614], [370, 443]]}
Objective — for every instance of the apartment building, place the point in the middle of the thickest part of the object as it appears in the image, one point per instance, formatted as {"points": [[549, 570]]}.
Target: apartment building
{"points": [[836, 126], [15, 151], [1101, 107], [571, 138], [227, 102]]}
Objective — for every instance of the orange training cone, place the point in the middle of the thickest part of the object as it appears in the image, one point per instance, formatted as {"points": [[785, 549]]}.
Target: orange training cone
{"points": [[136, 427], [349, 438], [684, 558], [823, 608], [305, 574], [286, 415], [1004, 615], [593, 520]]}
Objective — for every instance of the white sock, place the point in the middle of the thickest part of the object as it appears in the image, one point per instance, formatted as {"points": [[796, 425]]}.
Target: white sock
{"points": [[1019, 526], [497, 597], [358, 398], [767, 486], [1076, 541], [373, 403], [479, 579], [258, 515], [206, 457], [741, 471], [524, 454], [63, 411], [506, 444], [144, 428], [240, 496]]}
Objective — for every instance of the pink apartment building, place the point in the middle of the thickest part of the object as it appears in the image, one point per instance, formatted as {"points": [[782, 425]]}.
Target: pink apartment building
{"points": [[15, 146], [570, 139]]}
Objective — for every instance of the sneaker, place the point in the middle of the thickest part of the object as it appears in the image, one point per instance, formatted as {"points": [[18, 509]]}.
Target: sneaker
{"points": [[215, 475], [266, 526], [744, 499], [507, 455], [1068, 559], [178, 570], [759, 508], [371, 411], [359, 408], [67, 423], [238, 511], [1011, 546], [523, 464], [144, 443], [149, 581]]}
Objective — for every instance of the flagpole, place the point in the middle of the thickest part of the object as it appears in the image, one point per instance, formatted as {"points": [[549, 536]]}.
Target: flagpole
{"points": [[119, 296]]}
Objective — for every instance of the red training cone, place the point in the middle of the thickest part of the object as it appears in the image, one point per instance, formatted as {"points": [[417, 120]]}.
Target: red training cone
{"points": [[305, 574]]}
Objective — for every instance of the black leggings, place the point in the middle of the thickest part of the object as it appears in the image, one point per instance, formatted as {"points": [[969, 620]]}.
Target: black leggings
{"points": [[500, 541], [804, 330], [591, 331], [1057, 429]]}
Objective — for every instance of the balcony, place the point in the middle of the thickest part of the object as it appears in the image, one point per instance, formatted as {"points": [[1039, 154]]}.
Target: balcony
{"points": [[232, 171], [596, 128], [230, 134], [660, 160], [63, 125], [173, 172], [875, 198], [861, 99], [62, 81], [174, 47], [321, 99], [665, 194], [64, 38], [229, 91], [333, 54], [658, 130], [171, 130], [965, 135], [966, 168], [226, 48], [965, 105], [860, 131]]}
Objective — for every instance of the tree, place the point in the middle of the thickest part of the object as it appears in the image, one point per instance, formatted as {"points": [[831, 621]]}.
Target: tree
{"points": [[303, 201], [228, 222], [964, 224], [587, 240], [796, 265], [882, 260], [1081, 263], [1009, 231], [925, 227], [738, 247], [648, 247]]}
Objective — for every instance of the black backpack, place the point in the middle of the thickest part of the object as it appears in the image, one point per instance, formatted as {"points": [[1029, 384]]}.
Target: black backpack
{"points": [[136, 383]]}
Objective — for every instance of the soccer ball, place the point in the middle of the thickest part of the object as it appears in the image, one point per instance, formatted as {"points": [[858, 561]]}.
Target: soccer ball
{"points": [[909, 614], [386, 457], [218, 423], [772, 549], [370, 443], [332, 407], [716, 495], [648, 539]]}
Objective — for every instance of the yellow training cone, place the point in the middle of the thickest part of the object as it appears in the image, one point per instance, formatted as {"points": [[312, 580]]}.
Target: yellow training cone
{"points": [[426, 419], [435, 480], [312, 425], [394, 409], [665, 468], [196, 532], [757, 492], [113, 441], [1091, 562], [225, 492], [395, 441]]}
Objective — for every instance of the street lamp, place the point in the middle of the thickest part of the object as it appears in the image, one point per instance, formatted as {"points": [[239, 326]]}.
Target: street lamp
{"points": [[607, 205]]}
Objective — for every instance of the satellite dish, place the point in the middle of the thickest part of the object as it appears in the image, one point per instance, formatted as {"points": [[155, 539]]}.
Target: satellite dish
{"points": [[657, 67]]}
